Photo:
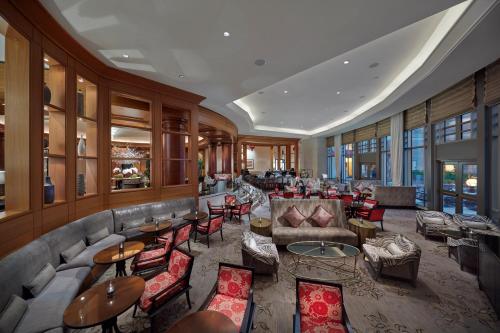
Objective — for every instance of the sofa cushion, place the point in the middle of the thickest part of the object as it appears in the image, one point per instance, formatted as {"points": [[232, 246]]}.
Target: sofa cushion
{"points": [[12, 314], [73, 251], [283, 236], [46, 311], [433, 220], [97, 236], [293, 216], [61, 239], [321, 217], [42, 279], [476, 225], [394, 249]]}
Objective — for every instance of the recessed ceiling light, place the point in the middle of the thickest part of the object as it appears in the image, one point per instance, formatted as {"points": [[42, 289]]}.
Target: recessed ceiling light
{"points": [[226, 34], [261, 92], [375, 64], [46, 59], [260, 62], [375, 77], [338, 92], [345, 111], [80, 80], [181, 76], [346, 62], [286, 91], [263, 112], [361, 97], [125, 55]]}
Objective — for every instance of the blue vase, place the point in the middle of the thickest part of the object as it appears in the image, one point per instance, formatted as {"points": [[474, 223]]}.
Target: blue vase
{"points": [[48, 191]]}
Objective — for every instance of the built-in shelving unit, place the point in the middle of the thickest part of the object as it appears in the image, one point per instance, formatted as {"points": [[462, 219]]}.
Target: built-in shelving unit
{"points": [[54, 138], [86, 138]]}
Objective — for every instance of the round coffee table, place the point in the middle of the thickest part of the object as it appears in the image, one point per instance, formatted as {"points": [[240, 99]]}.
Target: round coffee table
{"points": [[261, 226], [112, 255], [94, 307], [195, 217], [363, 228], [326, 256], [204, 321], [152, 228]]}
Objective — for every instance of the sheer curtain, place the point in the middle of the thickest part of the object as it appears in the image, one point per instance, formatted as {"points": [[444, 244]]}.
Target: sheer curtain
{"points": [[338, 142], [397, 128]]}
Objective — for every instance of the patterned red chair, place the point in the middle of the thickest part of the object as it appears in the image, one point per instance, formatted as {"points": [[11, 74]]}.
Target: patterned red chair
{"points": [[215, 210], [319, 308], [180, 235], [232, 295], [242, 209], [288, 195], [146, 261], [209, 227], [167, 285]]}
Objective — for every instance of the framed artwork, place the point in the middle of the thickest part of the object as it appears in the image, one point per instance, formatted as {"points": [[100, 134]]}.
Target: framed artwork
{"points": [[250, 164]]}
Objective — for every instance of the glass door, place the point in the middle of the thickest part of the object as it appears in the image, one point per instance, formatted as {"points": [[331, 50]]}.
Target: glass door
{"points": [[458, 189]]}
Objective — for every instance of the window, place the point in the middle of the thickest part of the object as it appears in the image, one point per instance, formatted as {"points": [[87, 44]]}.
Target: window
{"points": [[368, 171], [130, 142], [367, 146], [414, 160], [331, 167], [14, 121], [373, 145], [176, 147], [347, 162], [385, 160], [463, 127]]}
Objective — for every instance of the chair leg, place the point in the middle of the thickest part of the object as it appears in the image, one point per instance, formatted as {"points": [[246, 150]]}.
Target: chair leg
{"points": [[382, 225], [188, 299], [221, 234], [195, 235], [189, 245], [208, 240], [135, 311]]}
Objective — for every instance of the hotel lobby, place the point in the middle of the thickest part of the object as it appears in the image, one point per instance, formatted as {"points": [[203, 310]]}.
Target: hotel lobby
{"points": [[249, 166]]}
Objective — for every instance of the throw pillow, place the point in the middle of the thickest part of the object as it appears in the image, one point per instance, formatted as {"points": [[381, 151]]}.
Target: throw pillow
{"points": [[433, 220], [12, 314], [133, 223], [368, 205], [253, 244], [321, 217], [73, 251], [394, 249], [97, 236], [35, 286], [293, 216], [476, 225]]}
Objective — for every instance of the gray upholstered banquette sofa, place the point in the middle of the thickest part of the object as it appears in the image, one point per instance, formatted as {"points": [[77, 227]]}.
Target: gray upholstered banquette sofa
{"points": [[335, 231], [42, 311]]}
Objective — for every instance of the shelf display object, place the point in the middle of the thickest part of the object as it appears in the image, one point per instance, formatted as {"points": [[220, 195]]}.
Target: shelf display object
{"points": [[130, 142], [86, 137], [54, 140]]}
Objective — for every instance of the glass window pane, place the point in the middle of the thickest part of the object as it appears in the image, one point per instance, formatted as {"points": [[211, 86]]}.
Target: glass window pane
{"points": [[469, 207], [417, 137], [449, 177], [449, 204], [469, 176]]}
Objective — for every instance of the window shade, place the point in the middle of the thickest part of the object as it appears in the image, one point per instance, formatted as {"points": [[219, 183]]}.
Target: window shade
{"points": [[366, 133], [330, 141], [384, 128], [348, 137], [492, 84], [453, 101], [415, 116]]}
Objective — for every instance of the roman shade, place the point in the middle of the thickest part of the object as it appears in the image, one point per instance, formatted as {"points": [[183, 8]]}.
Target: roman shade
{"points": [[330, 141], [366, 133], [492, 84], [348, 137], [453, 101], [415, 117], [384, 128]]}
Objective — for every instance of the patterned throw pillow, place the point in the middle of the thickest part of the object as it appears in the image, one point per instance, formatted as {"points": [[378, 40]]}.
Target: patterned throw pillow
{"points": [[293, 216], [321, 217]]}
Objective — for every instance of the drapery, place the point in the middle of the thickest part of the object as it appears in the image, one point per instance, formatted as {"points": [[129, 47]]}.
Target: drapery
{"points": [[397, 128], [338, 143]]}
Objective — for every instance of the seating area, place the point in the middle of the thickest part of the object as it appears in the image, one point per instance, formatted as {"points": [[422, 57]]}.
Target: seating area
{"points": [[249, 166]]}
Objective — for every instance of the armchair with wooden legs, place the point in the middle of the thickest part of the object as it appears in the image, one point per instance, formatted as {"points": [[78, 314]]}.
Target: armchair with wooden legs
{"points": [[209, 227]]}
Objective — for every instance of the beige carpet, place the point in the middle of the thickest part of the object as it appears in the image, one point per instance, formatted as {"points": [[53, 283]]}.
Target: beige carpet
{"points": [[445, 299]]}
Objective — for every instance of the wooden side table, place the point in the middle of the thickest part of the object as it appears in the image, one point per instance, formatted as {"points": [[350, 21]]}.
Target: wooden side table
{"points": [[364, 229], [112, 255], [261, 226]]}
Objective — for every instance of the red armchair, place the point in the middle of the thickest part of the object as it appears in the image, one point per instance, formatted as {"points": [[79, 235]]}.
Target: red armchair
{"points": [[215, 210], [146, 261], [209, 227], [232, 295], [373, 215], [319, 308], [288, 195], [167, 285], [180, 235], [242, 209]]}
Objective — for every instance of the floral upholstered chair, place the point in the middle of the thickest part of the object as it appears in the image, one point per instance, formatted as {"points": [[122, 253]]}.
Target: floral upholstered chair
{"points": [[167, 285], [241, 210], [209, 227], [319, 308], [214, 210], [146, 261], [232, 295], [179, 235]]}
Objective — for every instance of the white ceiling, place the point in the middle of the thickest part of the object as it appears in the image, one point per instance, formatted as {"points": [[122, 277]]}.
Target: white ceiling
{"points": [[303, 42]]}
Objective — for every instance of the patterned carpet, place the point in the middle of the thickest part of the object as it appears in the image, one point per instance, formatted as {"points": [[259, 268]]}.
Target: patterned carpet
{"points": [[445, 299]]}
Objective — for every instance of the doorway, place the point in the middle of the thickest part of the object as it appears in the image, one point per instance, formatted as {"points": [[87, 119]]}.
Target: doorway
{"points": [[458, 189]]}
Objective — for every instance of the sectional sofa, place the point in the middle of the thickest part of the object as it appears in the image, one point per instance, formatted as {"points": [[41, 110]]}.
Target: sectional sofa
{"points": [[41, 279]]}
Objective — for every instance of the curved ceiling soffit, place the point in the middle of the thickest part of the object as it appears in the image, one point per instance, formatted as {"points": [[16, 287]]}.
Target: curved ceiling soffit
{"points": [[442, 30]]}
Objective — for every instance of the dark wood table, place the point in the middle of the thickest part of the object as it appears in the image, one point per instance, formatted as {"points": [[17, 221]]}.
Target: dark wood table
{"points": [[204, 321], [195, 218], [94, 307], [112, 255], [152, 228]]}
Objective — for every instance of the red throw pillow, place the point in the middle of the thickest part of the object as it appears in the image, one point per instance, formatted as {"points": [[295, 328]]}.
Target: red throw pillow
{"points": [[321, 217], [293, 216]]}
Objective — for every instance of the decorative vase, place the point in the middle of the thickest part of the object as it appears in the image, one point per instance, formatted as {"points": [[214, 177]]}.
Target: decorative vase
{"points": [[81, 146], [47, 94], [48, 191], [80, 185]]}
